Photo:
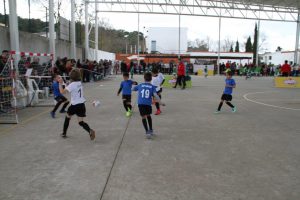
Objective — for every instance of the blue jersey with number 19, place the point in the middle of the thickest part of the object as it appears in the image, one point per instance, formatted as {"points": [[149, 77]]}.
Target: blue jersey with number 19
{"points": [[145, 93]]}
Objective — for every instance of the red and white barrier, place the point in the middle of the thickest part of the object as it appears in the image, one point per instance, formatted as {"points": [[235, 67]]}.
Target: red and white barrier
{"points": [[31, 54]]}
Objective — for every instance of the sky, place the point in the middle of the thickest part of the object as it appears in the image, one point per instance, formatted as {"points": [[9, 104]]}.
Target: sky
{"points": [[275, 34]]}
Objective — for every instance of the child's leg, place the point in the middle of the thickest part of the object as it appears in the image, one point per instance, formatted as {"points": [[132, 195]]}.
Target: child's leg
{"points": [[144, 120], [83, 124], [57, 105], [220, 105], [125, 104], [65, 105], [149, 118], [156, 103], [66, 124], [229, 104], [129, 106]]}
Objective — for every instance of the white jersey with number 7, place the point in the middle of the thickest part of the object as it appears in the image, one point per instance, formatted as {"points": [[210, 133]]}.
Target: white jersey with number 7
{"points": [[76, 90]]}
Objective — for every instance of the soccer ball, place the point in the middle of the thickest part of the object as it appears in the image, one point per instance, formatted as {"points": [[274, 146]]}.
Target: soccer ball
{"points": [[96, 103]]}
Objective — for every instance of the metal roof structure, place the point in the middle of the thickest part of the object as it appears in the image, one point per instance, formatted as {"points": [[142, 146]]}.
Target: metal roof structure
{"points": [[271, 10]]}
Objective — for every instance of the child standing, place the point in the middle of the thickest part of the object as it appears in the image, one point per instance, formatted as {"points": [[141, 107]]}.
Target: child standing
{"points": [[59, 98], [77, 103], [126, 87], [158, 80], [205, 71], [145, 93], [227, 94]]}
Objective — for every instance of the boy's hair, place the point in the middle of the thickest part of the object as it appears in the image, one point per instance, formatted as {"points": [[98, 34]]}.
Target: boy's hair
{"points": [[75, 75], [125, 74], [229, 73], [54, 76], [148, 76], [155, 70]]}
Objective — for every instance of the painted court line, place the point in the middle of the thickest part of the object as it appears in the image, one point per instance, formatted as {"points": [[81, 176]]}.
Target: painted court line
{"points": [[24, 122], [265, 104]]}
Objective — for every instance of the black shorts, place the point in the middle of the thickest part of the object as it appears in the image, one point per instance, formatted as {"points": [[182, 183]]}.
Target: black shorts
{"points": [[226, 97], [145, 110], [78, 109], [60, 98], [126, 98]]}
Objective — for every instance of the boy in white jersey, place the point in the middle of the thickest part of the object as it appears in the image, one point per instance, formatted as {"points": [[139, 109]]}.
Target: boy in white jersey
{"points": [[158, 80], [77, 103]]}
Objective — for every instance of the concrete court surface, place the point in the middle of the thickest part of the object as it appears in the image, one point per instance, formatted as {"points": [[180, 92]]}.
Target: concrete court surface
{"points": [[253, 154]]}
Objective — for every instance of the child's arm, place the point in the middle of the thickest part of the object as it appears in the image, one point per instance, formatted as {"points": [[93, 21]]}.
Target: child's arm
{"points": [[162, 82], [232, 86], [134, 83], [62, 89], [119, 91]]}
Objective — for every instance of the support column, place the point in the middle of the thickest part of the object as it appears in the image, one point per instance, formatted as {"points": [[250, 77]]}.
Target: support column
{"points": [[96, 32], [257, 45], [219, 46], [86, 29], [179, 35], [73, 32], [138, 42], [51, 29], [13, 30], [296, 56]]}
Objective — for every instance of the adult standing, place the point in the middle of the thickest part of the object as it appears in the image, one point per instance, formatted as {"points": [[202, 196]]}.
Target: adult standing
{"points": [[180, 75], [286, 69], [123, 67]]}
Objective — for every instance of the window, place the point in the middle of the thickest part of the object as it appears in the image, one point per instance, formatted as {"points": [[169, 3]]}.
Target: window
{"points": [[270, 57], [153, 46]]}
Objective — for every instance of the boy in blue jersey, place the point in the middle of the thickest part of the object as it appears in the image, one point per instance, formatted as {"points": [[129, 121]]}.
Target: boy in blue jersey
{"points": [[126, 87], [227, 94], [145, 93], [59, 98]]}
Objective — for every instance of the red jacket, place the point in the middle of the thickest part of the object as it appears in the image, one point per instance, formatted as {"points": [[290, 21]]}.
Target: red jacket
{"points": [[286, 68], [181, 69]]}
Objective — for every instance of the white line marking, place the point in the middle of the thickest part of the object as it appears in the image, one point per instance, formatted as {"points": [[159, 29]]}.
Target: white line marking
{"points": [[265, 104]]}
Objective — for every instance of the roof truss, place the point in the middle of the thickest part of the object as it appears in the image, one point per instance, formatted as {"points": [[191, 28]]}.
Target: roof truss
{"points": [[275, 10]]}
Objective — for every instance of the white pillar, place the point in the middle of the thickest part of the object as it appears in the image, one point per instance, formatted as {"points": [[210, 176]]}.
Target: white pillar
{"points": [[219, 46], [73, 36], [96, 31], [257, 45], [179, 35], [138, 42], [86, 29], [296, 56], [13, 30], [51, 29]]}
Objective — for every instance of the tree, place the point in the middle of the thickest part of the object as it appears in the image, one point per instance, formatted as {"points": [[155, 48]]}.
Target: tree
{"points": [[198, 45], [231, 49], [237, 46], [278, 49], [255, 43], [228, 43], [249, 47]]}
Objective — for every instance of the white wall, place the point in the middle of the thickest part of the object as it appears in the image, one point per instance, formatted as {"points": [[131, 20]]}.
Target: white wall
{"points": [[227, 54], [167, 39], [101, 55], [279, 57]]}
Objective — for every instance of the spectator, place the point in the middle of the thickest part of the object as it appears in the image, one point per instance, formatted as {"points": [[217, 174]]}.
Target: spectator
{"points": [[286, 69], [181, 75]]}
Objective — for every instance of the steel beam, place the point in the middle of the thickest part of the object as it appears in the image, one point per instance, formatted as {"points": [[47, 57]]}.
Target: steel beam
{"points": [[73, 36], [96, 32], [86, 29], [51, 29], [296, 56], [14, 31]]}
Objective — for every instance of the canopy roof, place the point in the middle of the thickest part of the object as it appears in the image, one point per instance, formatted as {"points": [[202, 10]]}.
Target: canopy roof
{"points": [[273, 10]]}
